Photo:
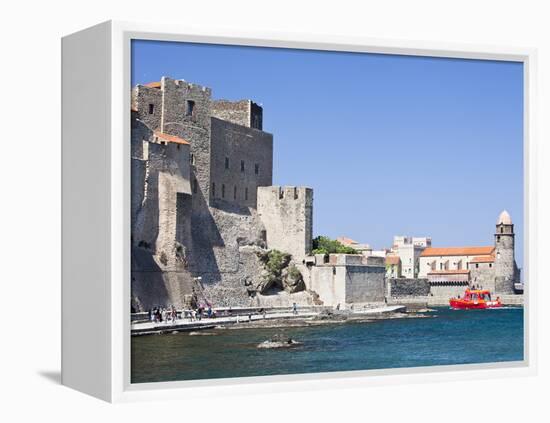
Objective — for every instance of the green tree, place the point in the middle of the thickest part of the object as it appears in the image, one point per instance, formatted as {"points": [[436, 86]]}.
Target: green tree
{"points": [[325, 245]]}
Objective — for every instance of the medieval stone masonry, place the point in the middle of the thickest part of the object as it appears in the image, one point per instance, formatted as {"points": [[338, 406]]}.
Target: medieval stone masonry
{"points": [[205, 213]]}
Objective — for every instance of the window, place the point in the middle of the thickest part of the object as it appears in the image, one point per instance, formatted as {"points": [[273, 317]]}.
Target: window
{"points": [[213, 189], [477, 265], [227, 162], [151, 109], [195, 185], [189, 107], [242, 165], [490, 264], [501, 229], [223, 190], [235, 192], [498, 238], [192, 159], [246, 193], [256, 168]]}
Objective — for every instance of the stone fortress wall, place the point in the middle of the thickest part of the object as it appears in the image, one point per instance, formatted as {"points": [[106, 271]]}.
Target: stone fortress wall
{"points": [[241, 160], [204, 208], [161, 200], [184, 230]]}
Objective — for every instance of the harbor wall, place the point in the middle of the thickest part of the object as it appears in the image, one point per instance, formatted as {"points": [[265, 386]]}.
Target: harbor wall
{"points": [[400, 288], [448, 290]]}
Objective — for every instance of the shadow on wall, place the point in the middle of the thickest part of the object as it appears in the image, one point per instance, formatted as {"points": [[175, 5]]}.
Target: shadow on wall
{"points": [[205, 236], [230, 207], [148, 283]]}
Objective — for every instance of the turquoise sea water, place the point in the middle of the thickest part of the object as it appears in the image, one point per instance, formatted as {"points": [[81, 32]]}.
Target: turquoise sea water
{"points": [[446, 337]]}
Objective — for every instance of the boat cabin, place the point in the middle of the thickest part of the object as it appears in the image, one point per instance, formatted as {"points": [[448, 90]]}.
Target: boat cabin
{"points": [[477, 294]]}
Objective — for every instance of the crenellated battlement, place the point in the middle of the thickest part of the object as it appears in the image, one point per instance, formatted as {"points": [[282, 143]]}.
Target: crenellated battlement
{"points": [[276, 193]]}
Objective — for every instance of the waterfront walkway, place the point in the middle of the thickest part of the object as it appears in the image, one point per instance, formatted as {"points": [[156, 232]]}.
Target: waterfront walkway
{"points": [[188, 325]]}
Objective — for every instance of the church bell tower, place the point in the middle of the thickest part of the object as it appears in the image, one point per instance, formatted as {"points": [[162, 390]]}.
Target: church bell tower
{"points": [[505, 266]]}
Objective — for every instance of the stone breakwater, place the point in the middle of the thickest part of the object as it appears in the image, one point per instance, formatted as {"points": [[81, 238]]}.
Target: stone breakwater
{"points": [[273, 318]]}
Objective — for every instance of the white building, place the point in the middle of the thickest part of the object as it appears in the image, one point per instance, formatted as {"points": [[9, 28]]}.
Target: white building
{"points": [[409, 250]]}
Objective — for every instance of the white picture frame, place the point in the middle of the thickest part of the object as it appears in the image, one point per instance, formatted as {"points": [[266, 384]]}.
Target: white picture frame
{"points": [[96, 226]]}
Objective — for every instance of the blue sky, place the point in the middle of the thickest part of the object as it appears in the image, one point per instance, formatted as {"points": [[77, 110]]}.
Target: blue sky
{"points": [[391, 145]]}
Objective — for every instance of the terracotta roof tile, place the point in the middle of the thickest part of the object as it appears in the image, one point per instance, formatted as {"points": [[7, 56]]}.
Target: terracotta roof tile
{"points": [[483, 259], [457, 251], [170, 138]]}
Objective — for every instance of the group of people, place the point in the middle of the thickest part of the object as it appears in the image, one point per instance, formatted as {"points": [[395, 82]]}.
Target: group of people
{"points": [[171, 315], [200, 312], [162, 314]]}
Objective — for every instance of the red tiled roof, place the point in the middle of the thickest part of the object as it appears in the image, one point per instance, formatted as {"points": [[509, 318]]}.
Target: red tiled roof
{"points": [[457, 251], [171, 138], [392, 259], [449, 272], [155, 84], [483, 259]]}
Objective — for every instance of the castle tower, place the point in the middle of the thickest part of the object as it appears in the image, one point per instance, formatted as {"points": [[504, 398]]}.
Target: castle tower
{"points": [[504, 255], [287, 215]]}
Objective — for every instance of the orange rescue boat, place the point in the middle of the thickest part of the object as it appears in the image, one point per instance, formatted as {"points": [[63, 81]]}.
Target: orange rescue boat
{"points": [[475, 299]]}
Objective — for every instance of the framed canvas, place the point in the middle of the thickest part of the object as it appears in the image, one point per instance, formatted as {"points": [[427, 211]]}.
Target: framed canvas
{"points": [[260, 212]]}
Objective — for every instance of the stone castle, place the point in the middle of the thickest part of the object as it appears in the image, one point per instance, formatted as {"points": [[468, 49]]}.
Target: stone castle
{"points": [[204, 211]]}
